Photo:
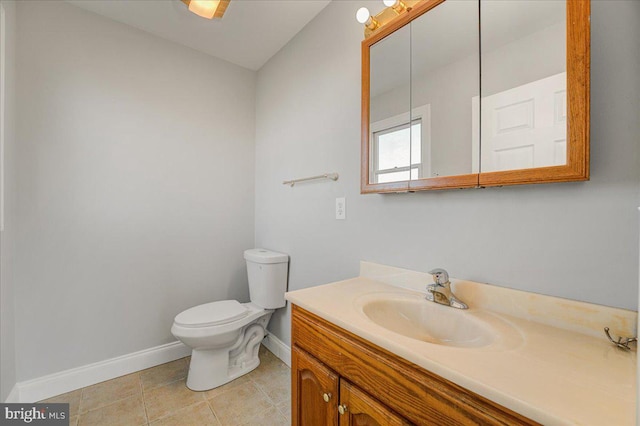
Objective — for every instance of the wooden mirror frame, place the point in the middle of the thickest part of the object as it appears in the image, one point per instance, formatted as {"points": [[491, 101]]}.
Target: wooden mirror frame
{"points": [[578, 105]]}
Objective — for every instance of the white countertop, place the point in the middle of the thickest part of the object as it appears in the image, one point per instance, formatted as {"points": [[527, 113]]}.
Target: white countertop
{"points": [[551, 374]]}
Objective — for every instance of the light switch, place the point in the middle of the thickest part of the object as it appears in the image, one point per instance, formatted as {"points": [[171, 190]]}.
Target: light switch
{"points": [[341, 208]]}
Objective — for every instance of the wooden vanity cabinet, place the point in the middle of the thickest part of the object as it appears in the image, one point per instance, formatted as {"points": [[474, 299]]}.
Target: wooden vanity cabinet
{"points": [[359, 409], [322, 398], [340, 379], [314, 391]]}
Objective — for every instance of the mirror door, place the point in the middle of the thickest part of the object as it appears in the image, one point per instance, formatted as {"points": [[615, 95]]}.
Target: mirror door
{"points": [[445, 80], [390, 144], [535, 91], [460, 94]]}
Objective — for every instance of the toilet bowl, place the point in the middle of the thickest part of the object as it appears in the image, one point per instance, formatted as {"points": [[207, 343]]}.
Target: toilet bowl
{"points": [[225, 336]]}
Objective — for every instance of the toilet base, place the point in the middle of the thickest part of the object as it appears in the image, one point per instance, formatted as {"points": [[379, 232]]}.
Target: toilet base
{"points": [[211, 368], [204, 375]]}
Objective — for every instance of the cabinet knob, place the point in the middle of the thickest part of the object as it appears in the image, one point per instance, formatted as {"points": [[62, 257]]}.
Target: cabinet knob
{"points": [[342, 409], [326, 397]]}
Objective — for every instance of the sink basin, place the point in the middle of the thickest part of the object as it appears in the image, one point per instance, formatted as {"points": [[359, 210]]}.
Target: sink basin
{"points": [[413, 316]]}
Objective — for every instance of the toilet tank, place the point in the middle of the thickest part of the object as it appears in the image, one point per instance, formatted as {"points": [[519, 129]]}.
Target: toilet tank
{"points": [[267, 271]]}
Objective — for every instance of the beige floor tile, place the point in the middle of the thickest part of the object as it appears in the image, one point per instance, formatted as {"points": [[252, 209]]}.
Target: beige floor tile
{"points": [[241, 405], [275, 382], [166, 399], [268, 359], [160, 395], [195, 415], [263, 351], [127, 412], [285, 408], [71, 398], [108, 392], [269, 365], [164, 374], [240, 381], [271, 417]]}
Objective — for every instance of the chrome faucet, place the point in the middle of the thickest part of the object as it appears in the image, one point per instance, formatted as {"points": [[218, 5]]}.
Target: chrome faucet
{"points": [[441, 293]]}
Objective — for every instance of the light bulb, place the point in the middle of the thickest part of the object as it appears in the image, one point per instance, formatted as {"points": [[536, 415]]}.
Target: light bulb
{"points": [[204, 8], [397, 5], [363, 15]]}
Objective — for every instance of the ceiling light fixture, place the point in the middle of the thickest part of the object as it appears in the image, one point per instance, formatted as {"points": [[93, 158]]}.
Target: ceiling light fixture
{"points": [[207, 8]]}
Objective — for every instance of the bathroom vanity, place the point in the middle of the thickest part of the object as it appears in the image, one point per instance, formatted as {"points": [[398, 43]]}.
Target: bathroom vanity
{"points": [[360, 356], [336, 372]]}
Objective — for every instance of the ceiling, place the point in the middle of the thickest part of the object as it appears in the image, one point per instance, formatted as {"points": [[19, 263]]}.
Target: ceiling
{"points": [[250, 32]]}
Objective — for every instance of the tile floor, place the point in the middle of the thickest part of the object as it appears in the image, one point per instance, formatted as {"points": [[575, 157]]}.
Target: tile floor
{"points": [[158, 396]]}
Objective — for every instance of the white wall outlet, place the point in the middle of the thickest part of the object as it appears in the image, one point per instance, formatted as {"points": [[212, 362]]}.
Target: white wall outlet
{"points": [[341, 208]]}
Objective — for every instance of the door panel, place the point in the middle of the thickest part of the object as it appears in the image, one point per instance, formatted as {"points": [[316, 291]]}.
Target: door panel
{"points": [[362, 410], [525, 127], [315, 391]]}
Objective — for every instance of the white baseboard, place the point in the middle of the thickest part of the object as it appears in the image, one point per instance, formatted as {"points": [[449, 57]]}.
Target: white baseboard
{"points": [[76, 378], [13, 395], [278, 348]]}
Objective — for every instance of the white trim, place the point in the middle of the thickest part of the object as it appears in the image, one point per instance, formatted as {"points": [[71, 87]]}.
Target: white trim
{"points": [[278, 348], [13, 395], [87, 375]]}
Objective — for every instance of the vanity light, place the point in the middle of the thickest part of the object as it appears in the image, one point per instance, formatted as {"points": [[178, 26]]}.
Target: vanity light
{"points": [[364, 17], [393, 9], [208, 9], [397, 5]]}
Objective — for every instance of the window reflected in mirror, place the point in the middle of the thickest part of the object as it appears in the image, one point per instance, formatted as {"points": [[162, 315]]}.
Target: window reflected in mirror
{"points": [[396, 151], [389, 130]]}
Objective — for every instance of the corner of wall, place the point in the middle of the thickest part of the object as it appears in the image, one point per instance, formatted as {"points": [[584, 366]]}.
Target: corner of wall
{"points": [[8, 389]]}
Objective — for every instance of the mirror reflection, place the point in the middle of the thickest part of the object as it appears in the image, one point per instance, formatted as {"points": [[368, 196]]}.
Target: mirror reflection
{"points": [[469, 93], [390, 141], [444, 82], [524, 84], [424, 78]]}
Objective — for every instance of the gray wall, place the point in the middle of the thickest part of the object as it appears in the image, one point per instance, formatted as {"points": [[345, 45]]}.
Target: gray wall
{"points": [[536, 56], [8, 235], [573, 240], [136, 183]]}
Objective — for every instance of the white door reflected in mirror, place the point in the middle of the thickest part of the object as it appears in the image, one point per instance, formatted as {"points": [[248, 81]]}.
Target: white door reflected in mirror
{"points": [[524, 127], [524, 85]]}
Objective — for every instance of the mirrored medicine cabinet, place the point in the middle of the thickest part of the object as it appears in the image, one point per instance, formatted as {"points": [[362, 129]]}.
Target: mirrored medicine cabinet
{"points": [[462, 94]]}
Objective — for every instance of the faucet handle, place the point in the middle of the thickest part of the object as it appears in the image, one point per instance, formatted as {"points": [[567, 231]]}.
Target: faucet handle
{"points": [[440, 276]]}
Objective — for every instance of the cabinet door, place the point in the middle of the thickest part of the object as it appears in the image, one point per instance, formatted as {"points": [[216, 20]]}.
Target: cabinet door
{"points": [[359, 409], [314, 391]]}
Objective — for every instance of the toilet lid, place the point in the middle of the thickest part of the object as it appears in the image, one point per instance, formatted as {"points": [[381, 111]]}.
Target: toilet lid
{"points": [[209, 314]]}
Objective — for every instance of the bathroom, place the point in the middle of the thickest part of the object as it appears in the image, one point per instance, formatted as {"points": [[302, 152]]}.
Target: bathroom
{"points": [[138, 170]]}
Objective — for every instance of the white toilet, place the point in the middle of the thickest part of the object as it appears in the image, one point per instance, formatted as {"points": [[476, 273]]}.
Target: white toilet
{"points": [[225, 336]]}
